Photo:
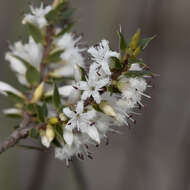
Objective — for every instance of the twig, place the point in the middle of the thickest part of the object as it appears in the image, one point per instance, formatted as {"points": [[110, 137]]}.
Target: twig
{"points": [[20, 133], [47, 48]]}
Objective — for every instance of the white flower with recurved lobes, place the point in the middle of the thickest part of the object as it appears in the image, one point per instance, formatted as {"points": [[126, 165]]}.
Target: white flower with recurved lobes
{"points": [[101, 55], [6, 89], [71, 57], [93, 86], [31, 53], [82, 121], [38, 16]]}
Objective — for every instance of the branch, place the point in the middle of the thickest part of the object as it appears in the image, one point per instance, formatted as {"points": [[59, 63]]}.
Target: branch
{"points": [[17, 135], [13, 139]]}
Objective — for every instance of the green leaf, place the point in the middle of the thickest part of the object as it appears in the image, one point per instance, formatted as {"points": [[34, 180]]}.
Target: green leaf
{"points": [[83, 74], [56, 97], [113, 89], [145, 42], [34, 133], [58, 130], [57, 143], [31, 107], [55, 14], [45, 109], [117, 63], [97, 108], [68, 13], [33, 76], [134, 60], [40, 113], [132, 74], [66, 29], [35, 33], [55, 56], [13, 116], [15, 98], [123, 44]]}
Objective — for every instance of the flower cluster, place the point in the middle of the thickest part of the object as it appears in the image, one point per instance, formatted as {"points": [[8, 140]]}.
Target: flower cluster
{"points": [[72, 104]]}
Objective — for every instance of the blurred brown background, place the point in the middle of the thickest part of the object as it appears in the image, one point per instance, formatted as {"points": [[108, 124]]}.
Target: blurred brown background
{"points": [[155, 154]]}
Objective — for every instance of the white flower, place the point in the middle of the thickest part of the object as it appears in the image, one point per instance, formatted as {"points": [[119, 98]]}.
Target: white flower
{"points": [[72, 54], [122, 112], [45, 141], [30, 52], [80, 121], [5, 89], [135, 67], [102, 54], [71, 58], [12, 112], [92, 86], [38, 16], [77, 148]]}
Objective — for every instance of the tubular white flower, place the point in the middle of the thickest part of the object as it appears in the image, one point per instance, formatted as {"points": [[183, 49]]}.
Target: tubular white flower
{"points": [[92, 86], [6, 88], [71, 54], [101, 54], [12, 111], [30, 52], [37, 16], [81, 121], [71, 58], [77, 148]]}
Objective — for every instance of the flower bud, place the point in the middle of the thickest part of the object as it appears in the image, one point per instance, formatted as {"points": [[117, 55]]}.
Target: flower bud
{"points": [[135, 40], [62, 117], [44, 139], [47, 136], [122, 84], [38, 93], [50, 134], [107, 109], [53, 121], [137, 51], [56, 3]]}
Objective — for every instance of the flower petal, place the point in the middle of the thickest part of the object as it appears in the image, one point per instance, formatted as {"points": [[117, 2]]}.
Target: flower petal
{"points": [[89, 115], [96, 96], [4, 88], [45, 141], [86, 94], [93, 133], [68, 137], [67, 111], [113, 54], [80, 107], [105, 67], [65, 90], [102, 83], [82, 85]]}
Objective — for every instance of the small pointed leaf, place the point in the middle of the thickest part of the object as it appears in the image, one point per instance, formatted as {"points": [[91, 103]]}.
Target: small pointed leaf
{"points": [[56, 98], [145, 42], [123, 44], [35, 33], [33, 76]]}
